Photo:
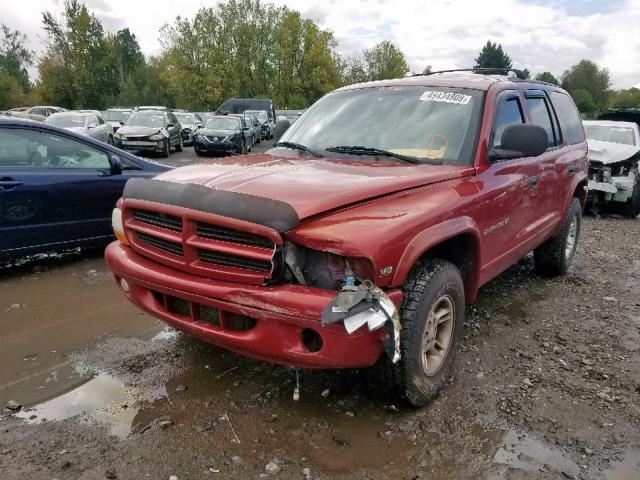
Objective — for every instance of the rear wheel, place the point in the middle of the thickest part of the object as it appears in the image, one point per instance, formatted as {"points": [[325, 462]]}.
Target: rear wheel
{"points": [[554, 256], [632, 207], [432, 317]]}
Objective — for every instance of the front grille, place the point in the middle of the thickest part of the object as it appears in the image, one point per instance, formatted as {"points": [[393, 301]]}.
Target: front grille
{"points": [[161, 243], [214, 139], [158, 219], [209, 314], [227, 260], [216, 232]]}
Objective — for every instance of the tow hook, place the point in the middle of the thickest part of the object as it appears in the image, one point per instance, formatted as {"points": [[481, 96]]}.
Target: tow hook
{"points": [[357, 305]]}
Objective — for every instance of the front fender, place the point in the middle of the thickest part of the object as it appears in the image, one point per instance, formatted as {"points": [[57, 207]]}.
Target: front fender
{"points": [[436, 235], [580, 178]]}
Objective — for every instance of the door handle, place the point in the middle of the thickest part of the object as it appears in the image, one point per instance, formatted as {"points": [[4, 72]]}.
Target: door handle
{"points": [[533, 181], [9, 183]]}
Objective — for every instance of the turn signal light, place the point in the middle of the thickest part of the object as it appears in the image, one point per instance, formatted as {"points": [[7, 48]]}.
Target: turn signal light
{"points": [[118, 227]]}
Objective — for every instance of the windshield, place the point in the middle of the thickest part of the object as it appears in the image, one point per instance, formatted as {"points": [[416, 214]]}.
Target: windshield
{"points": [[146, 120], [115, 116], [261, 116], [223, 123], [609, 133], [429, 124], [67, 121], [185, 118]]}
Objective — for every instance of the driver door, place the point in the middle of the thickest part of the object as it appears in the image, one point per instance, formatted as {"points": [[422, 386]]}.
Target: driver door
{"points": [[53, 189]]}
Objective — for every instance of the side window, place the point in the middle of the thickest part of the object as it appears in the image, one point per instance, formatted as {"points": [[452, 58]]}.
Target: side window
{"points": [[570, 117], [38, 111], [509, 112], [92, 121], [37, 149], [541, 114], [100, 120], [172, 118]]}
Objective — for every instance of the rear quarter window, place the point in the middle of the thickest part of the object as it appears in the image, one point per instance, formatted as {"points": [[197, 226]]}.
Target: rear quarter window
{"points": [[571, 118]]}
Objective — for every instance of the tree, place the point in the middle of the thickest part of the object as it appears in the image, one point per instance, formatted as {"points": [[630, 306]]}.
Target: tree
{"points": [[384, 61], [547, 77], [586, 76], [427, 70], [625, 98], [76, 53], [15, 58], [492, 56], [584, 101]]}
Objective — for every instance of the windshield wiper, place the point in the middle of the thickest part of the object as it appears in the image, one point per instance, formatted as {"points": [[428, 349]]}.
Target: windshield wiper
{"points": [[297, 146], [360, 150]]}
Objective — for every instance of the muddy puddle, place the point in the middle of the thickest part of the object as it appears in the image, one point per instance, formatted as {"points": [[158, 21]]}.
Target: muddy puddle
{"points": [[50, 309]]}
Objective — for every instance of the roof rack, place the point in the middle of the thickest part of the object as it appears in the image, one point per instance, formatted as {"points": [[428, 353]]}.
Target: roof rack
{"points": [[518, 73]]}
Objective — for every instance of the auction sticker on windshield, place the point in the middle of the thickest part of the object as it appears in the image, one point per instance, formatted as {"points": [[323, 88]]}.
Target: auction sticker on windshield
{"points": [[446, 97]]}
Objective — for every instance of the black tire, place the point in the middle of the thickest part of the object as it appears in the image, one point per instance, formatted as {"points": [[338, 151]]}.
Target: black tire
{"points": [[632, 207], [166, 148], [110, 140], [179, 145], [429, 283], [198, 152], [553, 257], [243, 149]]}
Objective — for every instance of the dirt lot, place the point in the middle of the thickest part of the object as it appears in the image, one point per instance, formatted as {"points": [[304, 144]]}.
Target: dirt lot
{"points": [[547, 386]]}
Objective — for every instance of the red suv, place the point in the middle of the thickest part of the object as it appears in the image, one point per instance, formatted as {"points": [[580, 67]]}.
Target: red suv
{"points": [[361, 236]]}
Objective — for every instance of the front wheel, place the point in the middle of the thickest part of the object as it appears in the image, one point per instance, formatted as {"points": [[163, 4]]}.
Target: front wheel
{"points": [[432, 317], [632, 207], [166, 148], [554, 257], [179, 145]]}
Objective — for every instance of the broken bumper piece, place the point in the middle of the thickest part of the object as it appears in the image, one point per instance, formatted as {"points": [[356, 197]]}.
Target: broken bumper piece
{"points": [[279, 323], [366, 304]]}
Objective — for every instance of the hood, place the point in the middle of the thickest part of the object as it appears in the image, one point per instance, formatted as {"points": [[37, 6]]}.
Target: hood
{"points": [[133, 131], [311, 186], [610, 152], [217, 133]]}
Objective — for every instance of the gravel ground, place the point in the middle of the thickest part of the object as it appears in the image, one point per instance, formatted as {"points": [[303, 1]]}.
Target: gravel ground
{"points": [[546, 386]]}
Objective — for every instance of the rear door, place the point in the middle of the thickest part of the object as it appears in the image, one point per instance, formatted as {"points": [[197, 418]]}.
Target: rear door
{"points": [[53, 189], [541, 112], [511, 196]]}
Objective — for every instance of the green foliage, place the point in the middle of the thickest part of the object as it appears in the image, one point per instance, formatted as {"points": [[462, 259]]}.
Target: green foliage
{"points": [[586, 76], [381, 62], [547, 77], [625, 99], [492, 56], [11, 92], [15, 57]]}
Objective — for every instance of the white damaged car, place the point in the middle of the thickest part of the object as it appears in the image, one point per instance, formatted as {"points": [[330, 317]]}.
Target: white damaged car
{"points": [[614, 164]]}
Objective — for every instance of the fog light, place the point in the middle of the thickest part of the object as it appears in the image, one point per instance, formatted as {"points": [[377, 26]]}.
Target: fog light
{"points": [[124, 285]]}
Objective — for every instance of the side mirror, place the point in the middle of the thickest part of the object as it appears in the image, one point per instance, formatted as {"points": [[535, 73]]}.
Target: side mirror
{"points": [[198, 125], [92, 125], [117, 165], [121, 122], [171, 125], [521, 140], [279, 129]]}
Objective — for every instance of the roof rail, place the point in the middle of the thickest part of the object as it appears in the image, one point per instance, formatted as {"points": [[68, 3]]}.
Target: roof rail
{"points": [[487, 70]]}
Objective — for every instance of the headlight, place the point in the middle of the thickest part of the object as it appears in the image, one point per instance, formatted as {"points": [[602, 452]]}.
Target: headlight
{"points": [[157, 136], [118, 227]]}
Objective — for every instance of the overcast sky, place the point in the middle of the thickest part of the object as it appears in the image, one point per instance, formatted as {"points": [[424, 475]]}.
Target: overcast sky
{"points": [[537, 34]]}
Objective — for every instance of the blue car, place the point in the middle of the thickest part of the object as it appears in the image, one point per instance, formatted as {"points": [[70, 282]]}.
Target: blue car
{"points": [[57, 188]]}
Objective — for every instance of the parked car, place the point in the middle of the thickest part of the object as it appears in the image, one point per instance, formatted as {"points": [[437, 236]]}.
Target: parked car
{"points": [[266, 125], [221, 134], [83, 122], [116, 117], [247, 129], [150, 131], [239, 105], [190, 123], [33, 113], [254, 127], [614, 164], [290, 115], [360, 242], [58, 188], [159, 108]]}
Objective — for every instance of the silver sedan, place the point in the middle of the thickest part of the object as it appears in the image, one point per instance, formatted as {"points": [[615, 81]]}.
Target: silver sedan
{"points": [[85, 123]]}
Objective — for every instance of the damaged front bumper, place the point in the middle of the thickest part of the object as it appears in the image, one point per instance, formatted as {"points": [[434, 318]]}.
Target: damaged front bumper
{"points": [[279, 323]]}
